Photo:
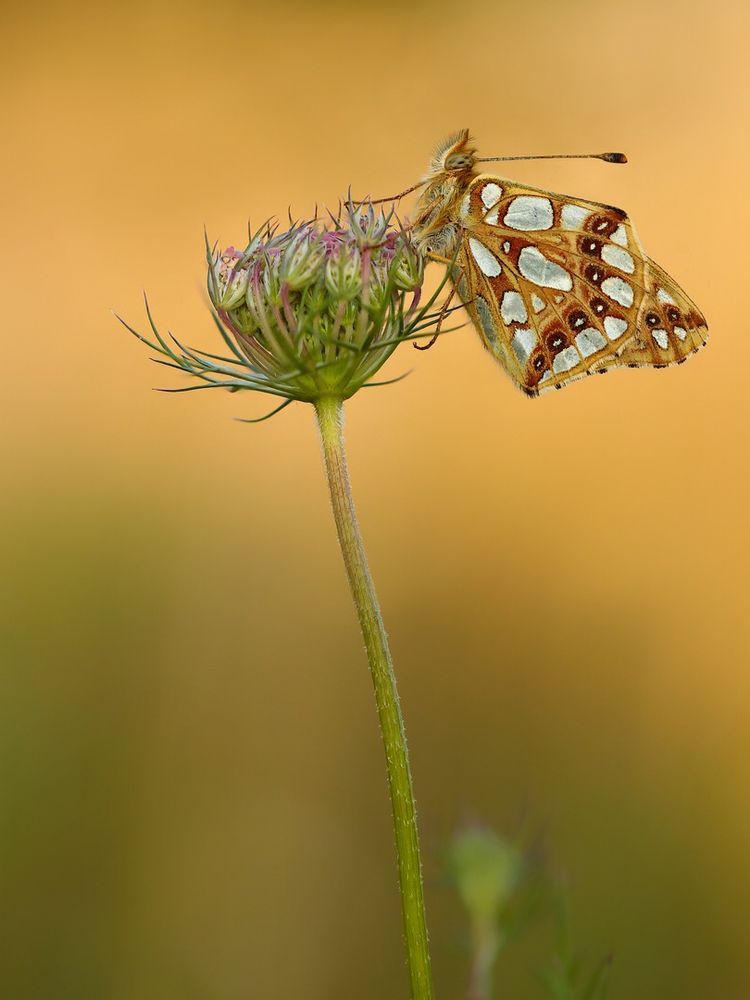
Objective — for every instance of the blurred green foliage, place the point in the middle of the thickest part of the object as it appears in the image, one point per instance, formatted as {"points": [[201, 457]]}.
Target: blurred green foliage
{"points": [[503, 888]]}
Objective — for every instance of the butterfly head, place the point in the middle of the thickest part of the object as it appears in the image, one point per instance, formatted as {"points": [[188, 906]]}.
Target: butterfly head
{"points": [[450, 171], [454, 155]]}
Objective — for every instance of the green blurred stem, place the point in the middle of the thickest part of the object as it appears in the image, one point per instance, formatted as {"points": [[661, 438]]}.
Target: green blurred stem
{"points": [[330, 421], [486, 945]]}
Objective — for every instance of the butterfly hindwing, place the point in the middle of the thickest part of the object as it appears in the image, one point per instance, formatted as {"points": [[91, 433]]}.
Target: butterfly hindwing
{"points": [[670, 325], [559, 287]]}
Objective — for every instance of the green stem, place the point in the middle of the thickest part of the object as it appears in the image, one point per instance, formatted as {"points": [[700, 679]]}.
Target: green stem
{"points": [[330, 421], [486, 944]]}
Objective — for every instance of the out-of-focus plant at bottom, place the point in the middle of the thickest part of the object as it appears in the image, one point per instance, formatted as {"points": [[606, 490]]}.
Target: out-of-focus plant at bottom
{"points": [[504, 888]]}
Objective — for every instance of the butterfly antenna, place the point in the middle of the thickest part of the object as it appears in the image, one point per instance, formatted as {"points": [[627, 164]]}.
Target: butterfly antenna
{"points": [[393, 197], [608, 157]]}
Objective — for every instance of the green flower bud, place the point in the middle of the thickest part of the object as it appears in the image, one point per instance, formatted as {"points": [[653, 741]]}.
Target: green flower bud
{"points": [[381, 285], [368, 225], [486, 869], [226, 279], [408, 269], [301, 259], [344, 273]]}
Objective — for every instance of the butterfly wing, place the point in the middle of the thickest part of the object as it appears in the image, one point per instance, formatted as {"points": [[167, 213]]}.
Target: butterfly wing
{"points": [[560, 288], [671, 325]]}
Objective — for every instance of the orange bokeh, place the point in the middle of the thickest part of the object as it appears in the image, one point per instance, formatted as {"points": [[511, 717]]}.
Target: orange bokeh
{"points": [[195, 803]]}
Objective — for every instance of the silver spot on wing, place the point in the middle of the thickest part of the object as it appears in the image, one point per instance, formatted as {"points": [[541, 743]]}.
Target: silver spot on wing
{"points": [[589, 341], [619, 258], [566, 360], [618, 290], [487, 261], [486, 320], [661, 337], [620, 236], [535, 267], [491, 194], [513, 308], [528, 212], [523, 343], [614, 327], [574, 216]]}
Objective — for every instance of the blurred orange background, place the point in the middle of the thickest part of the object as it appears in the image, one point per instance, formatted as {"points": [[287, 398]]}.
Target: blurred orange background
{"points": [[193, 799]]}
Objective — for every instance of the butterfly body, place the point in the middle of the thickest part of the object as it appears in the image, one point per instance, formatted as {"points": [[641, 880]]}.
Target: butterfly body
{"points": [[557, 287]]}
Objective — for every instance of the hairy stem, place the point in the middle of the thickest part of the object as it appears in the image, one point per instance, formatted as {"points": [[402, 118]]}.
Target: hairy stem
{"points": [[330, 420]]}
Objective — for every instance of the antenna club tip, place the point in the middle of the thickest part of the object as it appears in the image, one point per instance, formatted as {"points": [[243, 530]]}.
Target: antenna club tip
{"points": [[615, 157]]}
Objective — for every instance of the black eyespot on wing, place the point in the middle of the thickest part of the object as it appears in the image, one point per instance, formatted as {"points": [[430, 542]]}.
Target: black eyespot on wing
{"points": [[590, 246], [556, 340], [598, 305], [652, 319], [577, 319], [603, 225], [594, 274]]}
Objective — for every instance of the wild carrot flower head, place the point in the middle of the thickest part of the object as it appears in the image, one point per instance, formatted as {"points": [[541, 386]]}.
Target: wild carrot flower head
{"points": [[311, 311]]}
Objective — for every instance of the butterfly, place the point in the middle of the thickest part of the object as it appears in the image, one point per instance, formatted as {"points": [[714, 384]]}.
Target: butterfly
{"points": [[557, 287]]}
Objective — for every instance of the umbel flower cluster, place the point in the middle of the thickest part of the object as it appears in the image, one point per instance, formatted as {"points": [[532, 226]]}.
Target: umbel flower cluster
{"points": [[310, 312]]}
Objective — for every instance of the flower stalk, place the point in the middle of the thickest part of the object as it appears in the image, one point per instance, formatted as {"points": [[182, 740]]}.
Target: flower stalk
{"points": [[329, 412], [310, 315]]}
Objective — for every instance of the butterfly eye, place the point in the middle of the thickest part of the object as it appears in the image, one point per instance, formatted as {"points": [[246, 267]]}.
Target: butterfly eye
{"points": [[458, 161], [652, 319]]}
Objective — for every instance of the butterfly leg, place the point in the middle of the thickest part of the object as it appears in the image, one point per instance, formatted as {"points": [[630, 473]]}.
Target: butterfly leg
{"points": [[441, 317], [431, 255]]}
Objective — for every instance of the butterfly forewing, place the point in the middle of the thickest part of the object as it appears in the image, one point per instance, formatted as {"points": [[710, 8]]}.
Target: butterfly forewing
{"points": [[559, 287]]}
